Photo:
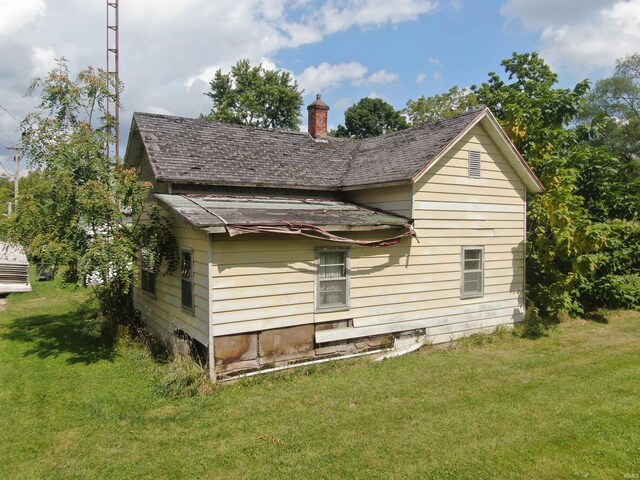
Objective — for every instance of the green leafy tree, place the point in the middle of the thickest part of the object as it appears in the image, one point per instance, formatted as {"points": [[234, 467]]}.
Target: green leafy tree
{"points": [[613, 107], [565, 247], [6, 194], [78, 211], [610, 161], [429, 109], [531, 108], [253, 95], [370, 117]]}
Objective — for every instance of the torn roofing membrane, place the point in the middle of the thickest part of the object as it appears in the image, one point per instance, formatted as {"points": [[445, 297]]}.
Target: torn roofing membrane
{"points": [[307, 217]]}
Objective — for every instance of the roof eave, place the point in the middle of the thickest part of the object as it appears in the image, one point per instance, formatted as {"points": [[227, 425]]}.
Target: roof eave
{"points": [[328, 228], [514, 157], [133, 140], [376, 185]]}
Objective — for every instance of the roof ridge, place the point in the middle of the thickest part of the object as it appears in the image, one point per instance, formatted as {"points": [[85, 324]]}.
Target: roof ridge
{"points": [[204, 121], [352, 156], [424, 126]]}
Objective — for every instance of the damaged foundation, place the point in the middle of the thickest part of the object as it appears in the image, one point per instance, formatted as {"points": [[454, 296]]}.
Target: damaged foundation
{"points": [[236, 355]]}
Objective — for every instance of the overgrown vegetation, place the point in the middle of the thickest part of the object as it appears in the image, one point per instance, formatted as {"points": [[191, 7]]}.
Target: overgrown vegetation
{"points": [[583, 230], [563, 406], [77, 210]]}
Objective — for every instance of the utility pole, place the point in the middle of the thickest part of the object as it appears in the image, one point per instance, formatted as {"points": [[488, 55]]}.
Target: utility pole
{"points": [[16, 180]]}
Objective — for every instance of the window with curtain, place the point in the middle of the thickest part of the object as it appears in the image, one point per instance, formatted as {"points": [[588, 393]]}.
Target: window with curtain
{"points": [[333, 279]]}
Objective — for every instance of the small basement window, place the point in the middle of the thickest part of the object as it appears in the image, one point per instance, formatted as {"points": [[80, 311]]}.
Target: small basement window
{"points": [[472, 272], [474, 164], [147, 272], [186, 278], [332, 279]]}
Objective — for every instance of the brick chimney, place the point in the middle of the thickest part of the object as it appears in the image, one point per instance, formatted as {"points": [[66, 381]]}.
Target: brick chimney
{"points": [[318, 111]]}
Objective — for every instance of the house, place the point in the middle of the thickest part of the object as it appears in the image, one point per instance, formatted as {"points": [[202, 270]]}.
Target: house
{"points": [[298, 246]]}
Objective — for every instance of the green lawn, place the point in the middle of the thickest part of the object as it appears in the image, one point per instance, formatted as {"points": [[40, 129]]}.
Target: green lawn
{"points": [[563, 406]]}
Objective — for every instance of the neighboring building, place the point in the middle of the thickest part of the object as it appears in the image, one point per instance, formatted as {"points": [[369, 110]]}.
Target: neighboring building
{"points": [[14, 269], [296, 246]]}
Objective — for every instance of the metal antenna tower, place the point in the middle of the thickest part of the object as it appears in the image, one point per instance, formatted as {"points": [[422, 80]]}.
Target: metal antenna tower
{"points": [[113, 72]]}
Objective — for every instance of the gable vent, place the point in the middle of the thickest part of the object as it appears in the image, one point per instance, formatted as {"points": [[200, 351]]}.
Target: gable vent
{"points": [[474, 164]]}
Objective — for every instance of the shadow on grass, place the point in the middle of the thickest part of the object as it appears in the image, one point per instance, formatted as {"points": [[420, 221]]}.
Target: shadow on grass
{"points": [[53, 335], [597, 316]]}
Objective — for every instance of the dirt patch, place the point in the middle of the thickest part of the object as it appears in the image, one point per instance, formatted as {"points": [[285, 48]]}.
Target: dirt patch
{"points": [[3, 304]]}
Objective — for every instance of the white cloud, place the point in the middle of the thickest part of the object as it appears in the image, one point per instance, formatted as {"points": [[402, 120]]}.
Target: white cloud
{"points": [[381, 77], [421, 77], [170, 50], [374, 95], [456, 4], [537, 14], [437, 76], [338, 16], [44, 60], [435, 61], [157, 109], [17, 14], [580, 34], [327, 76]]}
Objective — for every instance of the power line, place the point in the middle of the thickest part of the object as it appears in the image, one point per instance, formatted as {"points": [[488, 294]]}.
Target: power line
{"points": [[7, 142], [6, 171], [11, 115]]}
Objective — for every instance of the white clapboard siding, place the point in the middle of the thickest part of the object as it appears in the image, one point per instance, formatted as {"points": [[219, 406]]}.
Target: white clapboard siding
{"points": [[264, 282], [164, 313], [361, 292], [262, 324], [506, 315]]}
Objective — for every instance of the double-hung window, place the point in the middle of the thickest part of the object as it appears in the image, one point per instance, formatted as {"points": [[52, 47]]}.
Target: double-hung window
{"points": [[186, 278], [472, 272], [332, 279], [147, 272]]}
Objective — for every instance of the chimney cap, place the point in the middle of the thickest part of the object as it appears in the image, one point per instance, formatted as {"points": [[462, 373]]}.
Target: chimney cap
{"points": [[318, 104]]}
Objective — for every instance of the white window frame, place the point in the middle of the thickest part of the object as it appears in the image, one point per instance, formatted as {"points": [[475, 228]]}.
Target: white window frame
{"points": [[187, 308], [472, 169], [148, 272], [464, 271], [346, 278]]}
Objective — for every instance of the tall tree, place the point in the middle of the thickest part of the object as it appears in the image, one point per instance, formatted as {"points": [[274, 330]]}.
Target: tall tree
{"points": [[449, 104], [531, 108], [611, 126], [255, 96], [614, 106], [370, 117], [74, 211], [564, 246]]}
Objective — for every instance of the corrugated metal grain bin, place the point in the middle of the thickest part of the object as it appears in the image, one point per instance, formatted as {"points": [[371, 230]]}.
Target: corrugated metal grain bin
{"points": [[14, 269]]}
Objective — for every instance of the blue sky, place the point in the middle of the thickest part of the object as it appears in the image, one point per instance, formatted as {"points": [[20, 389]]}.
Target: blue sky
{"points": [[344, 49]]}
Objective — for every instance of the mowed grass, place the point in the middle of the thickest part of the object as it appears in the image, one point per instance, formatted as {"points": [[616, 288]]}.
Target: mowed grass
{"points": [[563, 406]]}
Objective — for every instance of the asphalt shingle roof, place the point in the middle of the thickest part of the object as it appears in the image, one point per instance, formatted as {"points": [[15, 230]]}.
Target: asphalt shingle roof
{"points": [[185, 150]]}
